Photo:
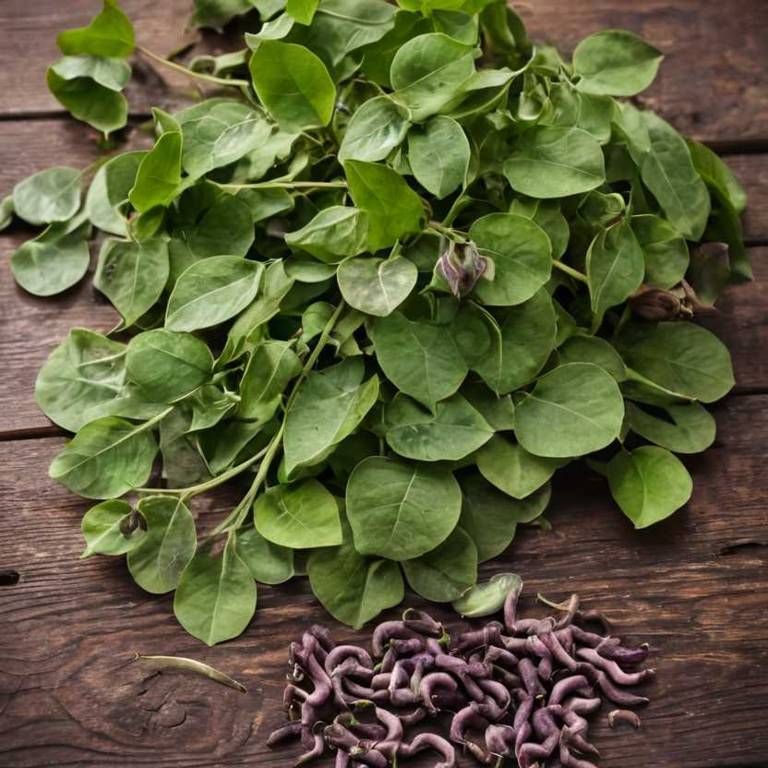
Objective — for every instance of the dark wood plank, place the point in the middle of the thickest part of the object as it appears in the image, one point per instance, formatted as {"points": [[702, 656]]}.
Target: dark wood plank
{"points": [[716, 60], [69, 693]]}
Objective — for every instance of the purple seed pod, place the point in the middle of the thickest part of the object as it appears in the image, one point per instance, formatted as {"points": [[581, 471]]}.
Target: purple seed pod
{"points": [[426, 741], [358, 691], [530, 751], [284, 733], [430, 683], [622, 698], [317, 750], [544, 668], [582, 706], [361, 730], [544, 724], [403, 697], [471, 687], [500, 739], [380, 681], [342, 759], [501, 657], [407, 647], [516, 645], [510, 607], [479, 638], [565, 636], [388, 662], [522, 734], [497, 691], [341, 653], [387, 631], [465, 720], [371, 757], [323, 636], [523, 713], [530, 677], [613, 670], [449, 701], [559, 654], [536, 647], [624, 655], [566, 758], [422, 622], [586, 638], [567, 686], [577, 732], [511, 681], [434, 646], [339, 737], [480, 753], [623, 716], [411, 718]]}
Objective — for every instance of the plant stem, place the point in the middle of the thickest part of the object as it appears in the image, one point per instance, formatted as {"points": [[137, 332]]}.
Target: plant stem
{"points": [[438, 229], [288, 185], [460, 202], [236, 517], [574, 273], [194, 490], [191, 73]]}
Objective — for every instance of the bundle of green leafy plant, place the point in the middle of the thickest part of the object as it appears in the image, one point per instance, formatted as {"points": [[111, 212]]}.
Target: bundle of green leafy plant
{"points": [[408, 269]]}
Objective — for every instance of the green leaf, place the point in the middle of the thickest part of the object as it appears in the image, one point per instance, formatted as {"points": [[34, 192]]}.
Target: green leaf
{"points": [[293, 84], [520, 348], [615, 268], [592, 114], [521, 254], [668, 172], [649, 484], [352, 588], [445, 573], [329, 405], [269, 563], [218, 132], [343, 26], [573, 410], [400, 511], [159, 175], [393, 208], [487, 598], [212, 291], [550, 162], [103, 107], [592, 349], [55, 260], [664, 249], [681, 357], [107, 529], [157, 562], [512, 469], [298, 516], [6, 211], [491, 517], [48, 196], [499, 412], [216, 13], [216, 596], [428, 71], [107, 457], [302, 10], [376, 128], [419, 358], [270, 367], [132, 275], [377, 286], [684, 428], [110, 34], [334, 234], [82, 379], [439, 155], [616, 63], [718, 175], [166, 365], [453, 431], [108, 194]]}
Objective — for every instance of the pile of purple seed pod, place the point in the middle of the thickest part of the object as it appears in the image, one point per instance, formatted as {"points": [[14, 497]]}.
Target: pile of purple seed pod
{"points": [[522, 689]]}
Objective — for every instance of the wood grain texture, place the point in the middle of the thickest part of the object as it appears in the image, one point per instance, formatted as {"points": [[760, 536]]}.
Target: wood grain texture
{"points": [[725, 41], [69, 693]]}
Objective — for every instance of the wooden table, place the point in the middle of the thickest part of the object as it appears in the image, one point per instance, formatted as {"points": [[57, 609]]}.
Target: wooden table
{"points": [[695, 587]]}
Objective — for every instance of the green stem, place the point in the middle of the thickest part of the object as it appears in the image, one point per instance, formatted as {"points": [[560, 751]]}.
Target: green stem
{"points": [[574, 273], [438, 229], [191, 73], [236, 517], [460, 202], [195, 490], [288, 185]]}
